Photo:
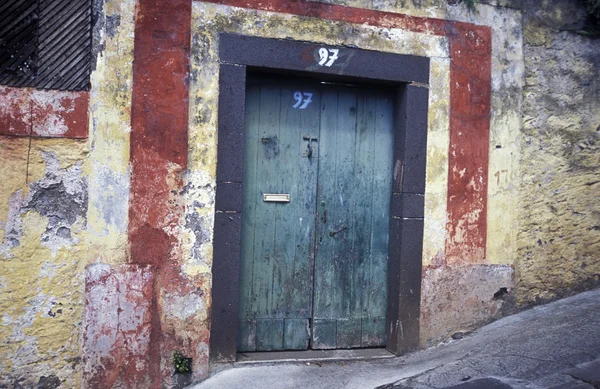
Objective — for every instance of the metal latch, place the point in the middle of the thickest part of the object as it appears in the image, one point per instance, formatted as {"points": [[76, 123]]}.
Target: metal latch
{"points": [[310, 148]]}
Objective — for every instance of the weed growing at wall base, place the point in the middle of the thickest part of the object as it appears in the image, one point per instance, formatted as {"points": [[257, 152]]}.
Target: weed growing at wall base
{"points": [[181, 363]]}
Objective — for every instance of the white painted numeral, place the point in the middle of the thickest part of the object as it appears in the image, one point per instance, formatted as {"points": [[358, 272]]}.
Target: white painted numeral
{"points": [[327, 57], [302, 99]]}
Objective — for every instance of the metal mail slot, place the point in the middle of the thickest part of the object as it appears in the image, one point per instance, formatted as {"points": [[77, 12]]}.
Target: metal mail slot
{"points": [[276, 197]]}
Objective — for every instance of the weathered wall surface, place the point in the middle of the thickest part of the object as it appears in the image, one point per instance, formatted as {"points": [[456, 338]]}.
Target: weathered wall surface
{"points": [[106, 224], [63, 204], [43, 228], [559, 212]]}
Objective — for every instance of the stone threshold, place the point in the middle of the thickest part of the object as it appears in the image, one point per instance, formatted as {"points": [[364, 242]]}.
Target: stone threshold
{"points": [[249, 358]]}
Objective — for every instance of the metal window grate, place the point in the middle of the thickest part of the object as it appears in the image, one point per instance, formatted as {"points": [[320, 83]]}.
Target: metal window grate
{"points": [[18, 42], [46, 43]]}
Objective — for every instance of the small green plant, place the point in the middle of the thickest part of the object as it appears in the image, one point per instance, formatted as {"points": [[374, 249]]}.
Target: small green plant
{"points": [[181, 363]]}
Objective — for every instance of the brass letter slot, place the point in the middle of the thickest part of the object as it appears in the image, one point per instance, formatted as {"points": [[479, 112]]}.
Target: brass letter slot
{"points": [[276, 197]]}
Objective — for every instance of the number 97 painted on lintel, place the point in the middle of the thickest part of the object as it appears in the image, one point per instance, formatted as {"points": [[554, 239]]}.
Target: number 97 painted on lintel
{"points": [[328, 56]]}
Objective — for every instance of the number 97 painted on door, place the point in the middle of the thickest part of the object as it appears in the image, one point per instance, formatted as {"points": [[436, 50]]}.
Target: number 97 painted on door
{"points": [[302, 99]]}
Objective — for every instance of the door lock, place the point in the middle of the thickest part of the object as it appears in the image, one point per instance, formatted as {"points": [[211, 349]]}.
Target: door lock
{"points": [[309, 146]]}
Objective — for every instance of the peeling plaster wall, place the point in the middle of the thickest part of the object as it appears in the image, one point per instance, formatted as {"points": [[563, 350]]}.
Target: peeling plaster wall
{"points": [[559, 216], [82, 306], [110, 126], [43, 231], [63, 205]]}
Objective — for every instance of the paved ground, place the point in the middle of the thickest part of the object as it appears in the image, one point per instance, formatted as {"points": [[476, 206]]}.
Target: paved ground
{"points": [[552, 346]]}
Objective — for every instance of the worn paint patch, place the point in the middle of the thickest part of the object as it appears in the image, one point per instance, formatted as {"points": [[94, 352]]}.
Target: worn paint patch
{"points": [[506, 108], [59, 114], [14, 153], [183, 305], [462, 298], [117, 325], [470, 87], [107, 168], [60, 196], [159, 138], [436, 192], [43, 113], [15, 111], [159, 155]]}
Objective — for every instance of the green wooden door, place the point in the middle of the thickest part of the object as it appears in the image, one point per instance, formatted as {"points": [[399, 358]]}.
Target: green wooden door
{"points": [[314, 262]]}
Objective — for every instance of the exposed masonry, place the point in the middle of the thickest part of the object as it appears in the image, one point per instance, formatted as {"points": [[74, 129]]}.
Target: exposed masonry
{"points": [[61, 196], [199, 225]]}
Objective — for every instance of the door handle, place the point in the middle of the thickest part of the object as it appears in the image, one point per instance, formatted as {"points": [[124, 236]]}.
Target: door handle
{"points": [[342, 228]]}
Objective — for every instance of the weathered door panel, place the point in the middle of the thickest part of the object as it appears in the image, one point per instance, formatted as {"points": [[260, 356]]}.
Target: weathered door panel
{"points": [[353, 200], [329, 148], [277, 238]]}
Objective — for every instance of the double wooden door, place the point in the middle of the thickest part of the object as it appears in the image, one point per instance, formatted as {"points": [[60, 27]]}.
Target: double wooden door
{"points": [[317, 188]]}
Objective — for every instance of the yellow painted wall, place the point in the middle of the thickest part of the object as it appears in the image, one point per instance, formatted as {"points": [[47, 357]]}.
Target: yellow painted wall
{"points": [[43, 255], [558, 207]]}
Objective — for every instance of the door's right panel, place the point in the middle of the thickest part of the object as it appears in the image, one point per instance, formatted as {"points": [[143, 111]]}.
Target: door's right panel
{"points": [[353, 200]]}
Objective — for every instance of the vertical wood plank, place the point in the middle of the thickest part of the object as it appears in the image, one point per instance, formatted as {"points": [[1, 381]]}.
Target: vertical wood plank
{"points": [[341, 203], [267, 177], [364, 149], [283, 221], [324, 304], [382, 184], [252, 117], [306, 197]]}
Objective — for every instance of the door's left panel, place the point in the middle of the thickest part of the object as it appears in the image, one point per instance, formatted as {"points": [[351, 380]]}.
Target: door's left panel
{"points": [[277, 256]]}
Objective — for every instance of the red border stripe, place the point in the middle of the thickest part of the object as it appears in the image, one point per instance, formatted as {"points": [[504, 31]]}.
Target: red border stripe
{"points": [[159, 149]]}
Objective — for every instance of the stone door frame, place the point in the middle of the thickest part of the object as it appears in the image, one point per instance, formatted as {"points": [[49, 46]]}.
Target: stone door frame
{"points": [[409, 75]]}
